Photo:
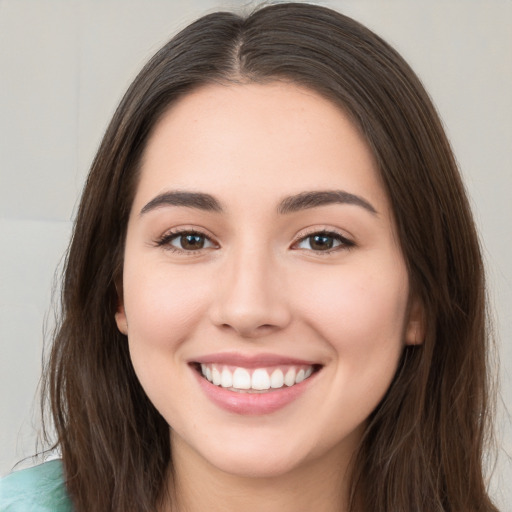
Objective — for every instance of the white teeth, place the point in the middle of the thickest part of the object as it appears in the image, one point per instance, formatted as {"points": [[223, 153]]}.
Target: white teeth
{"points": [[226, 378], [277, 379], [241, 379], [289, 378], [260, 380], [216, 378]]}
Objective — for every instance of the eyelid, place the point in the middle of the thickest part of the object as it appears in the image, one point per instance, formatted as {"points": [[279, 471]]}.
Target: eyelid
{"points": [[165, 239], [346, 242]]}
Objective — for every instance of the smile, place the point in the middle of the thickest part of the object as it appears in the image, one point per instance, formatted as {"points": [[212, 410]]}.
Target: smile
{"points": [[255, 380], [253, 385]]}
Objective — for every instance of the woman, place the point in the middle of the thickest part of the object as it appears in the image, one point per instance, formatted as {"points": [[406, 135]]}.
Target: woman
{"points": [[274, 295]]}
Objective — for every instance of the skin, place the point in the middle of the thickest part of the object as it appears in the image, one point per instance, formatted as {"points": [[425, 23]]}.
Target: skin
{"points": [[259, 286]]}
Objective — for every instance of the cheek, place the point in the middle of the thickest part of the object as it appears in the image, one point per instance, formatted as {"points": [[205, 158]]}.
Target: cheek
{"points": [[360, 317], [163, 305], [358, 303], [360, 314], [163, 309]]}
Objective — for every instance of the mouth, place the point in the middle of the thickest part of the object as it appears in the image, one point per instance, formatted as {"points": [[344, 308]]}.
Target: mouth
{"points": [[253, 384], [265, 379]]}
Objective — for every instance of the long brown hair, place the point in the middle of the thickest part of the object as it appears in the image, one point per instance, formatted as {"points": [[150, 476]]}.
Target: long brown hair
{"points": [[423, 448]]}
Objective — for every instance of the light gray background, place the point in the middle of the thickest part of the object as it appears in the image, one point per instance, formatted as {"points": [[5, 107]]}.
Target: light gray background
{"points": [[64, 65]]}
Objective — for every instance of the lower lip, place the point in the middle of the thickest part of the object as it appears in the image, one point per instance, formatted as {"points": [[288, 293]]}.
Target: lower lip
{"points": [[252, 403]]}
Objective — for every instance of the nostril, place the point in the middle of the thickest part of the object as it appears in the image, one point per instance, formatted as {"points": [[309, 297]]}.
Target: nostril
{"points": [[249, 330]]}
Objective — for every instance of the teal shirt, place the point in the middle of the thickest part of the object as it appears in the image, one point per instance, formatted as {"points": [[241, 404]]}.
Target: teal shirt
{"points": [[37, 489]]}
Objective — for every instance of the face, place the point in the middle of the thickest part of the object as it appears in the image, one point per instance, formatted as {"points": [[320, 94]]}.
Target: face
{"points": [[265, 296]]}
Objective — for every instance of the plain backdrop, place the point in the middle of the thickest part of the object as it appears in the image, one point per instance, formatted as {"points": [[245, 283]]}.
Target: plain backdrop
{"points": [[64, 65]]}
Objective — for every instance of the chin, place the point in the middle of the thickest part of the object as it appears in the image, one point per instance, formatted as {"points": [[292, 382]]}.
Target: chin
{"points": [[259, 465], [248, 455]]}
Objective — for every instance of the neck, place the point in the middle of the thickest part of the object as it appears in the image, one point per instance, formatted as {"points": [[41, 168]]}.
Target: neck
{"points": [[320, 485]]}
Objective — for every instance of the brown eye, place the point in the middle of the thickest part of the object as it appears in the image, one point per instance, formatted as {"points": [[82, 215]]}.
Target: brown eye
{"points": [[191, 242], [324, 242], [321, 242], [186, 241]]}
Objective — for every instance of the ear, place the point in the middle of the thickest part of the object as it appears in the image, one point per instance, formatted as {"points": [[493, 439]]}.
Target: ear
{"points": [[120, 316], [121, 322], [415, 328]]}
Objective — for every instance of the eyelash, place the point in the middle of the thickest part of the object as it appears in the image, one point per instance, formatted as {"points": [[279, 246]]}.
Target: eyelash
{"points": [[165, 241], [167, 238], [344, 243]]}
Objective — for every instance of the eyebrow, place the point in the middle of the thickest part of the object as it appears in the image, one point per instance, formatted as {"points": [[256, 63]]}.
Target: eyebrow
{"points": [[291, 204], [306, 200], [196, 200]]}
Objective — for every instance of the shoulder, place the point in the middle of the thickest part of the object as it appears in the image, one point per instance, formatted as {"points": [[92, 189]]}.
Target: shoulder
{"points": [[40, 489]]}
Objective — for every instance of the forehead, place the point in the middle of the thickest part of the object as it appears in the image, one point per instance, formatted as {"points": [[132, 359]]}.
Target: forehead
{"points": [[274, 139]]}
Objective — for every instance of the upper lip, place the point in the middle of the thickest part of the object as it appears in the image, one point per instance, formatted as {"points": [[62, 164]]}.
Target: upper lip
{"points": [[250, 361]]}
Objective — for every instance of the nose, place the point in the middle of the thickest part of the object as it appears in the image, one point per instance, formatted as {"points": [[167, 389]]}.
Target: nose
{"points": [[251, 296]]}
